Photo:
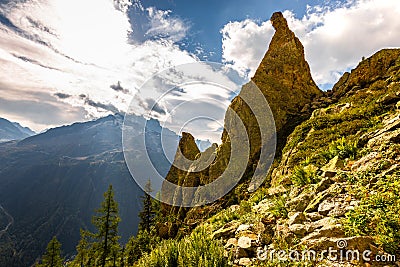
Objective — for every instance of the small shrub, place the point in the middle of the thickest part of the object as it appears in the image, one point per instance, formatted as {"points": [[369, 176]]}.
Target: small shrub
{"points": [[259, 195], [378, 213], [198, 249], [279, 207], [342, 148], [224, 217], [304, 175]]}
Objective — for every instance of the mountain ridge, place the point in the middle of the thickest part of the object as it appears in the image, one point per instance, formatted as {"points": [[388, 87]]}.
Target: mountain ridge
{"points": [[13, 131]]}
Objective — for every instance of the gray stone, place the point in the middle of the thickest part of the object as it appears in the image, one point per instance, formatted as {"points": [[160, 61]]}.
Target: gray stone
{"points": [[334, 189], [326, 231], [324, 184], [360, 243], [300, 202], [326, 221], [232, 242], [226, 231], [334, 165], [244, 242], [296, 218], [243, 227], [314, 216], [244, 262], [279, 190], [389, 99], [326, 206], [298, 229]]}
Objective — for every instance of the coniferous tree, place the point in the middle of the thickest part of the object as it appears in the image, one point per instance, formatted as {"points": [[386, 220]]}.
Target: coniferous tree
{"points": [[146, 237], [84, 249], [106, 221], [122, 259], [52, 256], [148, 213]]}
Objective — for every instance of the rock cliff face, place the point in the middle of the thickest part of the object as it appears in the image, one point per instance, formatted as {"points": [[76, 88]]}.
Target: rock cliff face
{"points": [[284, 79]]}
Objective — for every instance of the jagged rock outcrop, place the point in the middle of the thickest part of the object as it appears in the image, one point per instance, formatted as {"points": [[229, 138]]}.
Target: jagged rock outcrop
{"points": [[186, 153], [368, 71], [285, 81], [284, 77]]}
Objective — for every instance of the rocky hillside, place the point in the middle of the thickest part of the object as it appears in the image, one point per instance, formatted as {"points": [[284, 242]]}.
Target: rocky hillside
{"points": [[338, 182], [336, 185], [284, 79]]}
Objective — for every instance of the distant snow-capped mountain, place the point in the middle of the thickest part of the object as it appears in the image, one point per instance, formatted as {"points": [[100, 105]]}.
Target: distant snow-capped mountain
{"points": [[13, 131]]}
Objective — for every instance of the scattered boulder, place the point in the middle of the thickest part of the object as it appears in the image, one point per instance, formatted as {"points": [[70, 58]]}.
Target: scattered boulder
{"points": [[336, 164], [298, 229], [326, 231], [326, 206], [300, 202], [243, 227], [244, 262], [324, 184], [333, 189], [226, 231], [296, 218], [279, 190], [232, 242], [389, 99], [244, 242], [314, 216]]}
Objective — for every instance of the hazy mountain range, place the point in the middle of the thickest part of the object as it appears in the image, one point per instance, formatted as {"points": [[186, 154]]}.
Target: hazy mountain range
{"points": [[13, 131], [51, 183]]}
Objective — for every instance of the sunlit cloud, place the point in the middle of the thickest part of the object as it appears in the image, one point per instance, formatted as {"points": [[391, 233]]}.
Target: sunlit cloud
{"points": [[74, 48]]}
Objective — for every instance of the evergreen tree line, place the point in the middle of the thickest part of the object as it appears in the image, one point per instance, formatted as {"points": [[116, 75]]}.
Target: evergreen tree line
{"points": [[102, 248]]}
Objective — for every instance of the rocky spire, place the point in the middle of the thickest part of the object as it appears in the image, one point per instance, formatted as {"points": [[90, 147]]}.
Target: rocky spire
{"points": [[186, 153], [284, 76]]}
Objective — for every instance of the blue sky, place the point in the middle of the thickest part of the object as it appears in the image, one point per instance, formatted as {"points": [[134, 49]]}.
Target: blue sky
{"points": [[67, 61], [207, 18]]}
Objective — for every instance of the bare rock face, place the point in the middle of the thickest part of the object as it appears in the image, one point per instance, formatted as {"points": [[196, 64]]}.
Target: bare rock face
{"points": [[186, 153], [284, 77]]}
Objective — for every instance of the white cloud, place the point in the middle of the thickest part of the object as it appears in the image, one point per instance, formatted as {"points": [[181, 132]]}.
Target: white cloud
{"points": [[162, 24], [335, 38], [75, 48], [244, 44]]}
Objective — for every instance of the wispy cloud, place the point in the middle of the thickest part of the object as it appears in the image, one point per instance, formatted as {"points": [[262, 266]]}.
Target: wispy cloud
{"points": [[335, 37], [163, 25]]}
